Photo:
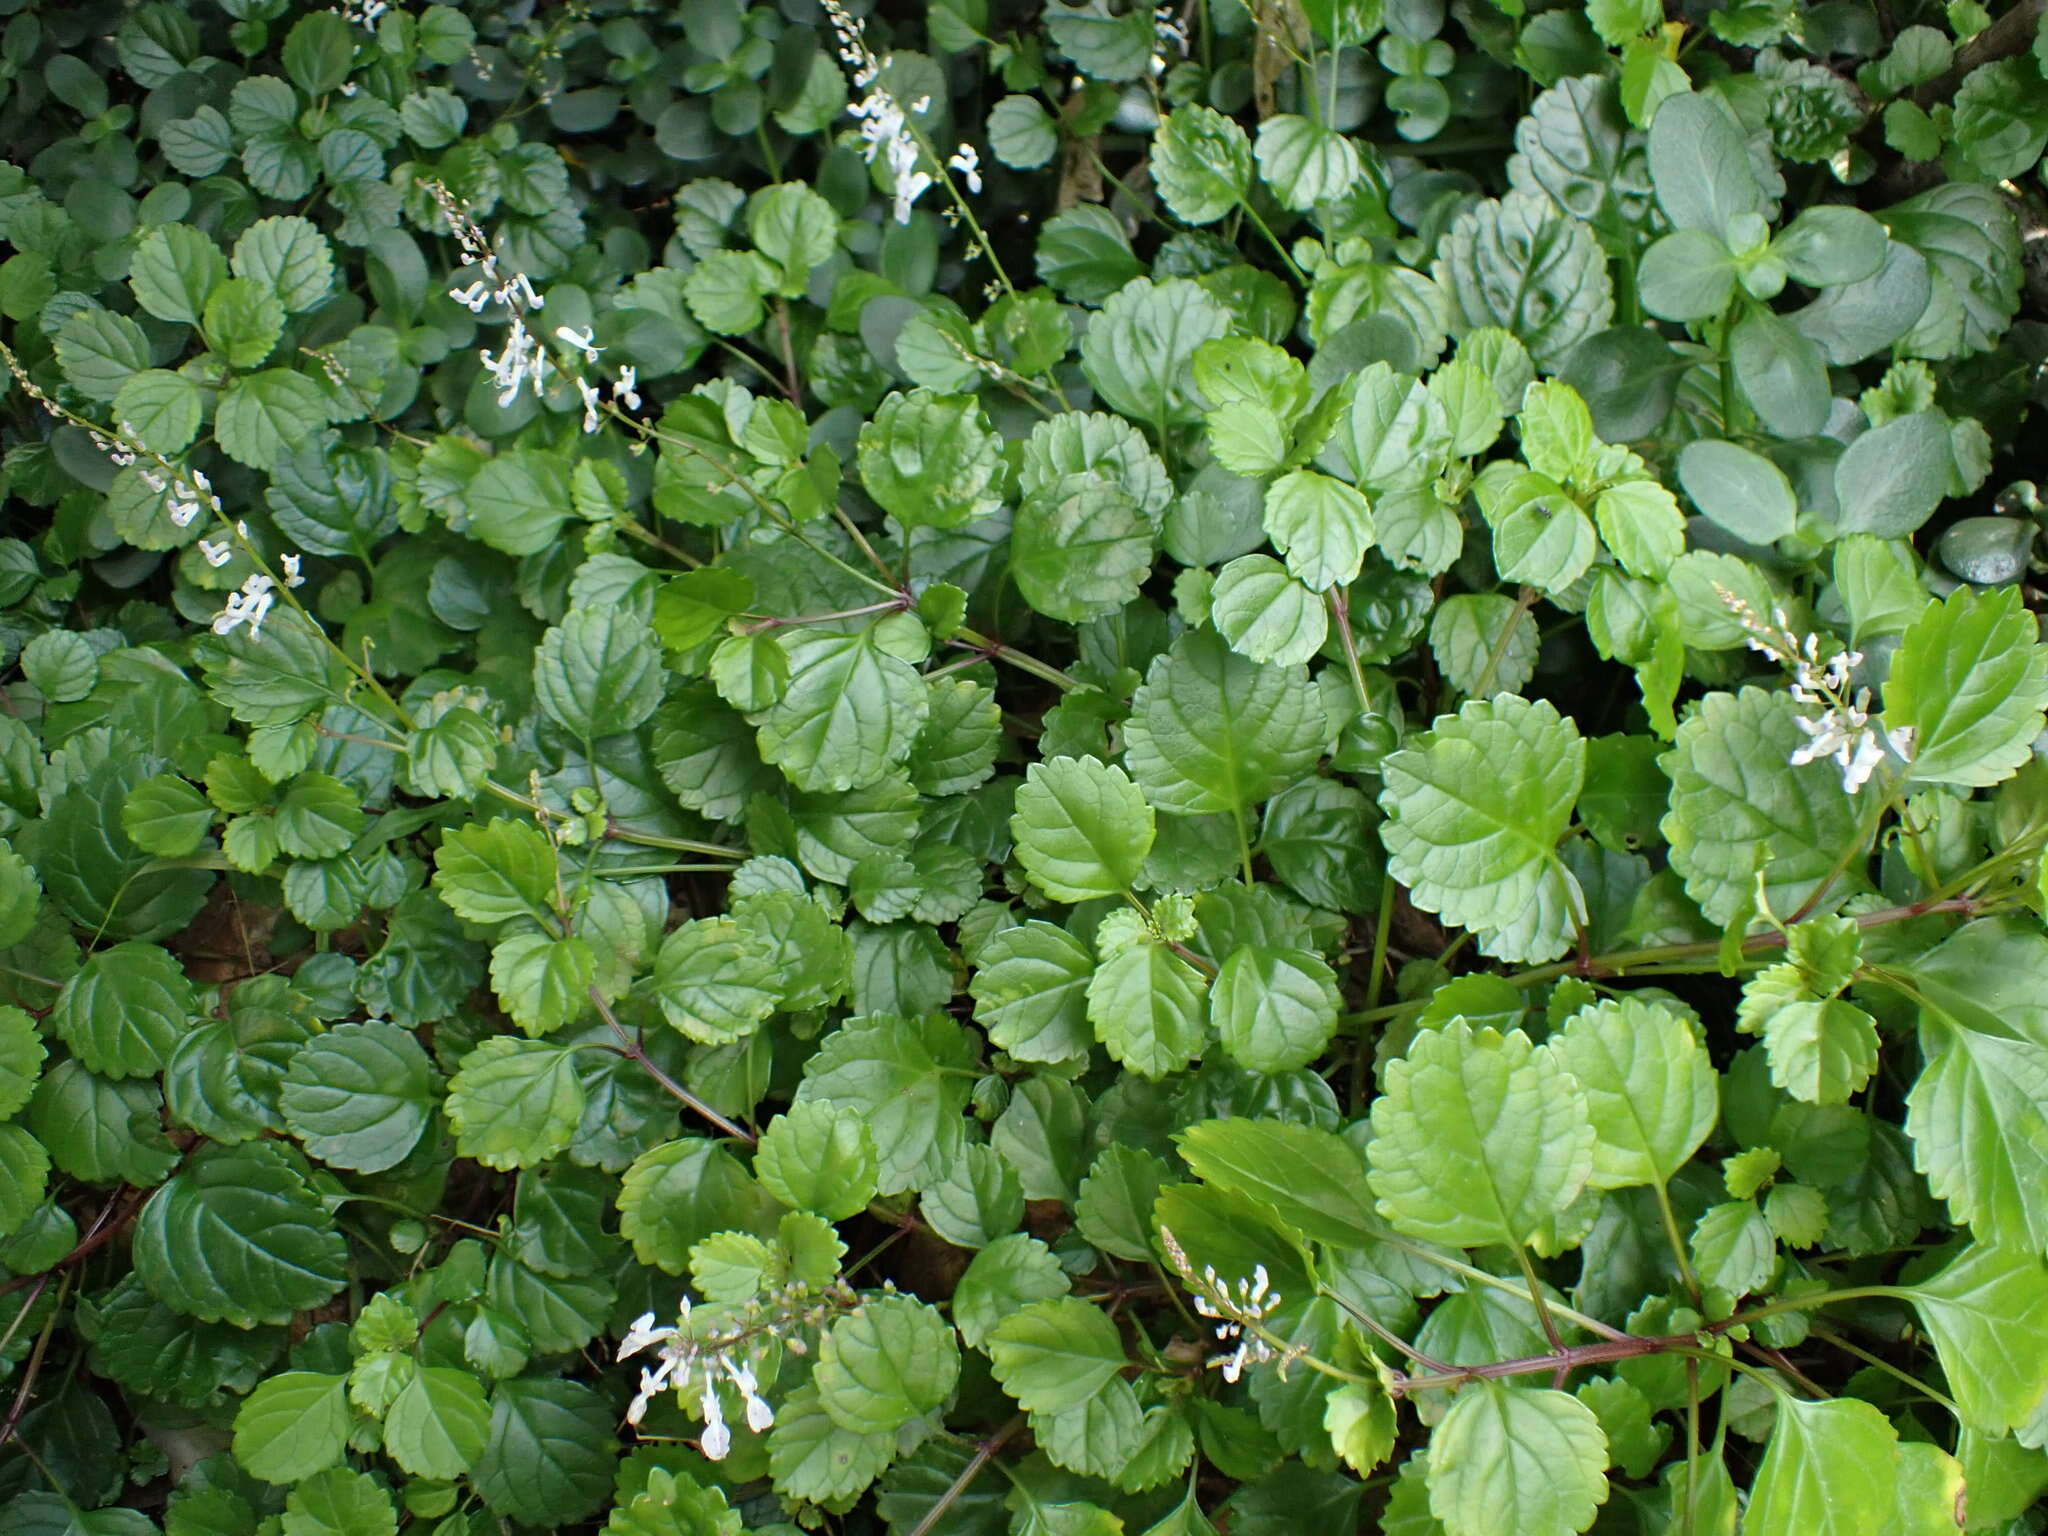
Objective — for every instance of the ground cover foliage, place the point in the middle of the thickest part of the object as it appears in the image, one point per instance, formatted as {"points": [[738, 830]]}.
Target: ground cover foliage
{"points": [[1024, 769]]}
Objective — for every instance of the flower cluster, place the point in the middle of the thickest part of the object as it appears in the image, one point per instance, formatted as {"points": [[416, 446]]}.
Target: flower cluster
{"points": [[1169, 39], [1844, 730], [885, 128], [362, 13], [1231, 1310], [694, 1365]]}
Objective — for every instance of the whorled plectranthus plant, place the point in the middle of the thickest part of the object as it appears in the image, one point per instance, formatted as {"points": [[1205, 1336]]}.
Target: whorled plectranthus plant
{"points": [[979, 769]]}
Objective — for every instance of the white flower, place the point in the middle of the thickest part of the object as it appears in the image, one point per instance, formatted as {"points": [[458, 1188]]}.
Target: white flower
{"points": [[474, 297], [967, 161], [521, 359], [626, 390], [290, 564], [583, 341], [249, 606], [216, 555], [591, 401], [884, 122], [182, 512], [716, 1439]]}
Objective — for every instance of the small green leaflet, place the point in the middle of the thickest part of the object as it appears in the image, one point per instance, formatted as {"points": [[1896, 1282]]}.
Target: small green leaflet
{"points": [[1053, 1356], [1651, 1091], [1211, 730], [1529, 1461], [1969, 680], [1082, 828]]}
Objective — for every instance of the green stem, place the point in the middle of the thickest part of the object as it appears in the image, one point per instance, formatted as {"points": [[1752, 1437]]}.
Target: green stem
{"points": [[1273, 240], [1670, 1219]]}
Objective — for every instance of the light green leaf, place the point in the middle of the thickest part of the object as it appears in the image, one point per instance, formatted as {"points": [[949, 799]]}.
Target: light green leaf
{"points": [[679, 1193], [1700, 165], [1082, 828], [818, 1157], [1113, 1210], [1474, 813], [1265, 614], [932, 460], [1140, 344], [911, 1079], [293, 1425], [1975, 1114], [243, 321], [1214, 731], [518, 501], [796, 229], [1734, 1248], [1479, 1137], [1831, 1469], [1529, 1461], [1304, 162], [1483, 642], [1653, 1094], [1526, 266], [884, 1364], [1969, 679], [1274, 1008], [1146, 1005], [1030, 991], [1053, 1356], [1080, 547], [514, 1103], [851, 713], [1201, 163], [438, 1423], [1738, 808], [359, 1097], [1987, 1313], [339, 1502], [542, 981], [1322, 526], [1821, 1051], [1687, 275], [713, 982], [1312, 1179], [238, 1237], [495, 872], [813, 1457]]}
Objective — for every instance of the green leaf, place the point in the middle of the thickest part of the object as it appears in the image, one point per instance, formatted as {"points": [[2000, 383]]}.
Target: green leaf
{"points": [[238, 1237], [173, 269], [438, 1424], [1890, 480], [1304, 162], [1821, 1051], [514, 1103], [931, 460], [1829, 245], [293, 1425], [263, 417], [714, 982], [1021, 133], [1265, 614], [1141, 342], [125, 1010], [1474, 813], [1970, 680], [243, 321], [1313, 1180], [1201, 163], [360, 1097], [164, 409], [1321, 526], [1974, 1116], [884, 1364], [1274, 1008], [1114, 1208], [1653, 1094], [318, 817], [727, 289], [1030, 991], [518, 501], [1700, 165], [1483, 640], [796, 229], [1080, 547], [495, 872], [911, 1079], [98, 351], [818, 1157], [681, 1192], [1008, 1274], [1738, 809], [1525, 266], [851, 713], [599, 671], [549, 1456], [1533, 1462], [21, 1058], [1146, 1005], [1479, 1137], [1742, 491], [1214, 731], [1687, 275], [339, 1502], [99, 1130], [1831, 1469], [1972, 245], [1734, 1248], [1053, 1356], [1782, 375], [1987, 1313], [24, 1176], [1082, 828]]}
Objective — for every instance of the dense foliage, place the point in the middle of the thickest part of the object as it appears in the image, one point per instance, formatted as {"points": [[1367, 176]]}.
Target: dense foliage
{"points": [[1011, 768]]}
